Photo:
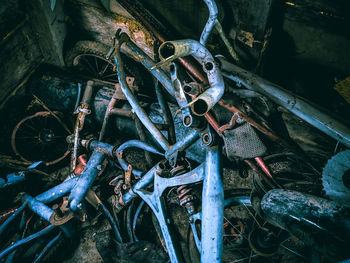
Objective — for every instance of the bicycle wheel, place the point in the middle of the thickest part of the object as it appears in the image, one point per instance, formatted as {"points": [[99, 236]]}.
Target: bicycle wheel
{"points": [[40, 137], [235, 227], [88, 58]]}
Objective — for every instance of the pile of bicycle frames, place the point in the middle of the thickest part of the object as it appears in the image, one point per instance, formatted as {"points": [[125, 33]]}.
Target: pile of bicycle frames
{"points": [[163, 194]]}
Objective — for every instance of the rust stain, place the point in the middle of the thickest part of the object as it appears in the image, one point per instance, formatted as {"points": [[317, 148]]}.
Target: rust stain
{"points": [[137, 32], [247, 38], [100, 19], [343, 88]]}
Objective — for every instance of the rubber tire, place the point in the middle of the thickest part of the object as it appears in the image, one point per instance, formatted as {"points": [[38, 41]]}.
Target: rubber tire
{"points": [[132, 68], [85, 47]]}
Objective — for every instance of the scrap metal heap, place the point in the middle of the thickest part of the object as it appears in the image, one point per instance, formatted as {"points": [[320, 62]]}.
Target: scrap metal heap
{"points": [[171, 158]]}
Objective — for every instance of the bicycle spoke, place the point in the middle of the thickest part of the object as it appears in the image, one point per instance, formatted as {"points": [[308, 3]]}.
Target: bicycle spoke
{"points": [[250, 256], [91, 68], [243, 259], [29, 126], [96, 63], [110, 75], [251, 215], [292, 251], [104, 70], [235, 228]]}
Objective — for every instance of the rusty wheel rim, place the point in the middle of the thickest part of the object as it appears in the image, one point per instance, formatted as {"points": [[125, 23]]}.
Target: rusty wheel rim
{"points": [[96, 66], [37, 137]]}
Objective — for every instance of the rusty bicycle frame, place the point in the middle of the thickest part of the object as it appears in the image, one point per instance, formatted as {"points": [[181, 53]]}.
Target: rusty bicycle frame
{"points": [[210, 171]]}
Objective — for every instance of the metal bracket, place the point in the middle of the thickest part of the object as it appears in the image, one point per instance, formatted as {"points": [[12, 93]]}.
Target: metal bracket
{"points": [[155, 201]]}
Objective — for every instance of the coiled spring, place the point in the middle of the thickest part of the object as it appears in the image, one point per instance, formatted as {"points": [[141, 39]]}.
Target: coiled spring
{"points": [[184, 192]]}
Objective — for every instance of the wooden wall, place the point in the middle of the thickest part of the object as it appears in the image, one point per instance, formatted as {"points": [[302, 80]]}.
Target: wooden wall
{"points": [[30, 33]]}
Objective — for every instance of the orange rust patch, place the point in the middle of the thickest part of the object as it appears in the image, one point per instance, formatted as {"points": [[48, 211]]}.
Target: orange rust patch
{"points": [[137, 32]]}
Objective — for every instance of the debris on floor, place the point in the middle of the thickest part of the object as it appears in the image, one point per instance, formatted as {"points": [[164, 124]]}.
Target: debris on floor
{"points": [[170, 151]]}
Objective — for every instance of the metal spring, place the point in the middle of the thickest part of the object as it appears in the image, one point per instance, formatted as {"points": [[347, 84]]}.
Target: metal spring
{"points": [[184, 192], [184, 195]]}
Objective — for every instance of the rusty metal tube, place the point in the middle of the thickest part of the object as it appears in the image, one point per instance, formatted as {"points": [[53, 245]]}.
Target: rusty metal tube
{"points": [[106, 119], [171, 50], [83, 110], [299, 106], [122, 112], [196, 72], [140, 112], [212, 20], [166, 113]]}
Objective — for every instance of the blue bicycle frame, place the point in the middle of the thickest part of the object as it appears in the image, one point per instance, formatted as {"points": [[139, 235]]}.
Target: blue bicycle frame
{"points": [[209, 172]]}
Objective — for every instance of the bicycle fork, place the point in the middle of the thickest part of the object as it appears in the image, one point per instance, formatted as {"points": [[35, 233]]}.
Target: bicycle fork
{"points": [[212, 204]]}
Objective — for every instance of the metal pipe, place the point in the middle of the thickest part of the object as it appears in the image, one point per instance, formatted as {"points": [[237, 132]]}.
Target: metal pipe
{"points": [[111, 221], [78, 97], [12, 179], [26, 240], [267, 131], [166, 113], [38, 207], [58, 191], [95, 201], [122, 112], [142, 136], [183, 144], [227, 43], [128, 221], [155, 201], [140, 112], [11, 218], [93, 167], [102, 146], [297, 105], [139, 55], [212, 20], [143, 182], [82, 110], [136, 144], [137, 213], [196, 72], [6, 214], [179, 94], [267, 179], [48, 246], [212, 208], [110, 107], [237, 200], [171, 50], [263, 166], [232, 201], [22, 229]]}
